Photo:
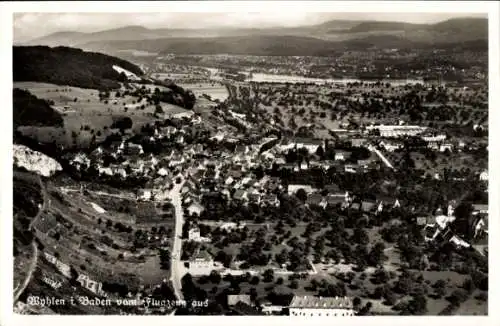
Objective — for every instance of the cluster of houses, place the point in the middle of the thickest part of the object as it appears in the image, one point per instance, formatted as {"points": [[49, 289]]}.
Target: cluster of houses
{"points": [[437, 228], [299, 306], [84, 280]]}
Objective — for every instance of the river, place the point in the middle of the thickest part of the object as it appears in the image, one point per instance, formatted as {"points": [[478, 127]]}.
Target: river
{"points": [[273, 78], [276, 78]]}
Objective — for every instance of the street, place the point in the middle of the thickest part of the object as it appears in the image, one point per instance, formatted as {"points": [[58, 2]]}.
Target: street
{"points": [[176, 265]]}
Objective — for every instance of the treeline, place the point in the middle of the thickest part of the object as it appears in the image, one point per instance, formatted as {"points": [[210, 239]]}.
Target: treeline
{"points": [[68, 66], [28, 110]]}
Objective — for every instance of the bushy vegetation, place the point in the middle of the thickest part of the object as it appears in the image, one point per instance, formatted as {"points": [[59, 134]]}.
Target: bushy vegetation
{"points": [[68, 66], [28, 110]]}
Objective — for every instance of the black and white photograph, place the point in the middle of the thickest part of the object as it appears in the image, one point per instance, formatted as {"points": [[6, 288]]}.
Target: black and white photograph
{"points": [[262, 162]]}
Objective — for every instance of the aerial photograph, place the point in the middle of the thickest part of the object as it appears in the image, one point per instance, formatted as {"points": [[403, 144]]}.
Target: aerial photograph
{"points": [[314, 164]]}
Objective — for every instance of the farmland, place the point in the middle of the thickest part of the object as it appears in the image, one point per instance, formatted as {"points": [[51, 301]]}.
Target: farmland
{"points": [[87, 116], [215, 90]]}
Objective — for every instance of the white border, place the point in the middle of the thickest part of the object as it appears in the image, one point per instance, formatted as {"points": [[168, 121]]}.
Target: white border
{"points": [[6, 9]]}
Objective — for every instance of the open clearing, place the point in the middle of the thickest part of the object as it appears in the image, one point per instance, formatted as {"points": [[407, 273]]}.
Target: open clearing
{"points": [[87, 116], [215, 90]]}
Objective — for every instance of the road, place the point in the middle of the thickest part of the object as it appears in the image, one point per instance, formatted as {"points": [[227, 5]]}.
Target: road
{"points": [[176, 265], [382, 157]]}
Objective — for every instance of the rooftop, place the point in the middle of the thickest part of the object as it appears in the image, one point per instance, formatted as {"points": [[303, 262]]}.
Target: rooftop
{"points": [[234, 299], [321, 302]]}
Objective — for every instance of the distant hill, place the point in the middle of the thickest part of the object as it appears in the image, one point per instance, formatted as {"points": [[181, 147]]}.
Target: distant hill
{"points": [[68, 66], [452, 30], [383, 26], [272, 45], [252, 45]]}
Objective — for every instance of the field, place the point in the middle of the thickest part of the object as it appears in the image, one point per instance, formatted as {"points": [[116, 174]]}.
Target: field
{"points": [[215, 90], [79, 237], [87, 116]]}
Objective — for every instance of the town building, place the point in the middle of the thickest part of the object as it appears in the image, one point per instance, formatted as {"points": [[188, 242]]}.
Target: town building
{"points": [[483, 176], [195, 208], [390, 131], [310, 306], [194, 235], [202, 260]]}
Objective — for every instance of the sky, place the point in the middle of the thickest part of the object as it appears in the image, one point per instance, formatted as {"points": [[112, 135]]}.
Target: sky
{"points": [[31, 25]]}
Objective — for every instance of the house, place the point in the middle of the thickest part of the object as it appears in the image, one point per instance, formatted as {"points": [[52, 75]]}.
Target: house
{"points": [[240, 195], [145, 194], [356, 206], [310, 306], [481, 245], [435, 138], [201, 260], [368, 206], [270, 200], [446, 146], [459, 242], [304, 165], [431, 231], [194, 235], [292, 189], [269, 309], [316, 200], [422, 220], [244, 309], [341, 155], [358, 142], [334, 200], [62, 267], [233, 299], [442, 221], [484, 175], [397, 130], [480, 226], [349, 168], [89, 284], [332, 188], [254, 197], [390, 146], [480, 209], [195, 208], [364, 163]]}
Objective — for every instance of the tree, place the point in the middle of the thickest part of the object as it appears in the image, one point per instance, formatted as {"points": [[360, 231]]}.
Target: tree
{"points": [[356, 302], [268, 275], [294, 284], [464, 220], [165, 258], [255, 280], [215, 277], [320, 151], [418, 305], [122, 123], [376, 256], [457, 297]]}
